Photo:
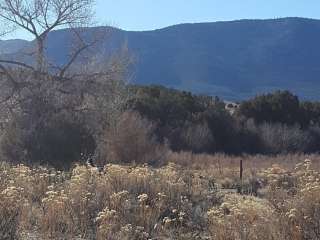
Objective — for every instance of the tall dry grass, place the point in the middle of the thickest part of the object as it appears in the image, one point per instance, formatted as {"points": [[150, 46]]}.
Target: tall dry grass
{"points": [[202, 200]]}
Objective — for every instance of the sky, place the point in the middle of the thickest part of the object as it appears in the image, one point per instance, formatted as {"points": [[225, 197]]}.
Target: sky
{"points": [[141, 15], [153, 14]]}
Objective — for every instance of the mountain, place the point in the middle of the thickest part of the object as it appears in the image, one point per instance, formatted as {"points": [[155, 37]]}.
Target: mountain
{"points": [[234, 60], [12, 46]]}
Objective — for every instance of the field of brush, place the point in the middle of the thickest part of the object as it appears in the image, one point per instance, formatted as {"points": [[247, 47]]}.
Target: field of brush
{"points": [[191, 197]]}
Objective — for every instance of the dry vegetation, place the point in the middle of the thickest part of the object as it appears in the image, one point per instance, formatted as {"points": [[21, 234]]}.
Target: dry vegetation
{"points": [[57, 115], [204, 200]]}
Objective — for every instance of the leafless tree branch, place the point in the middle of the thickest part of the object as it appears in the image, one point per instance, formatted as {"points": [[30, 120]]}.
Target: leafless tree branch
{"points": [[38, 87]]}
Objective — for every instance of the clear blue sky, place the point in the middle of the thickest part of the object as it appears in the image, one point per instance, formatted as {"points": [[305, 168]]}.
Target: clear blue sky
{"points": [[152, 14]]}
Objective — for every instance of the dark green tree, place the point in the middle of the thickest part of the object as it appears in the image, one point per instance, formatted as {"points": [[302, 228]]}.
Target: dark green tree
{"points": [[278, 107]]}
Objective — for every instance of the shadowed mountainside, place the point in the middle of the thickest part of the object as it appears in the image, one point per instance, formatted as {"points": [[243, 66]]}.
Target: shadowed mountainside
{"points": [[234, 60]]}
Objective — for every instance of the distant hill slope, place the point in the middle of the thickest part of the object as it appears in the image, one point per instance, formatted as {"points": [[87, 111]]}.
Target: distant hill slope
{"points": [[233, 60], [12, 46]]}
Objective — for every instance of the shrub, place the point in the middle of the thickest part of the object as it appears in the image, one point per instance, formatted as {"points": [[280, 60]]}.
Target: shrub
{"points": [[171, 202], [279, 138], [310, 113], [197, 137], [58, 141], [10, 209], [278, 107], [132, 139], [178, 115], [314, 133], [241, 217]]}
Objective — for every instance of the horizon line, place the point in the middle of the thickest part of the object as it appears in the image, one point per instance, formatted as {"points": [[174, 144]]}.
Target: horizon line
{"points": [[177, 24]]}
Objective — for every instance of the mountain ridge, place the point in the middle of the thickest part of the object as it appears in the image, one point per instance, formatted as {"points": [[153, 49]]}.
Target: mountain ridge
{"points": [[231, 59]]}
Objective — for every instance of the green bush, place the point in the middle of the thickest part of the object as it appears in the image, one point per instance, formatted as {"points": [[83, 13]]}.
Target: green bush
{"points": [[278, 107]]}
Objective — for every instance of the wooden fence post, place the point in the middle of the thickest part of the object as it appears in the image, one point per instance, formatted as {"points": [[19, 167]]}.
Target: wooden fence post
{"points": [[241, 170], [241, 175]]}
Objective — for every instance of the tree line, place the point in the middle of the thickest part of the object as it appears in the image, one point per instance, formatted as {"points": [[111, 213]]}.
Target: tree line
{"points": [[266, 124]]}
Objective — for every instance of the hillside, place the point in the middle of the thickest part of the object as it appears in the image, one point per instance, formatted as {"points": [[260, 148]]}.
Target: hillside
{"points": [[234, 60], [12, 46]]}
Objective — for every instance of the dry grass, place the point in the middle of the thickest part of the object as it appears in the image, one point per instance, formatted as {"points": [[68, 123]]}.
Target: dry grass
{"points": [[223, 161], [280, 200]]}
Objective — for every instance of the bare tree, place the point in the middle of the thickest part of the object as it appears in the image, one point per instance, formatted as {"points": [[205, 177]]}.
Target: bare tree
{"points": [[4, 30], [39, 88], [39, 17]]}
